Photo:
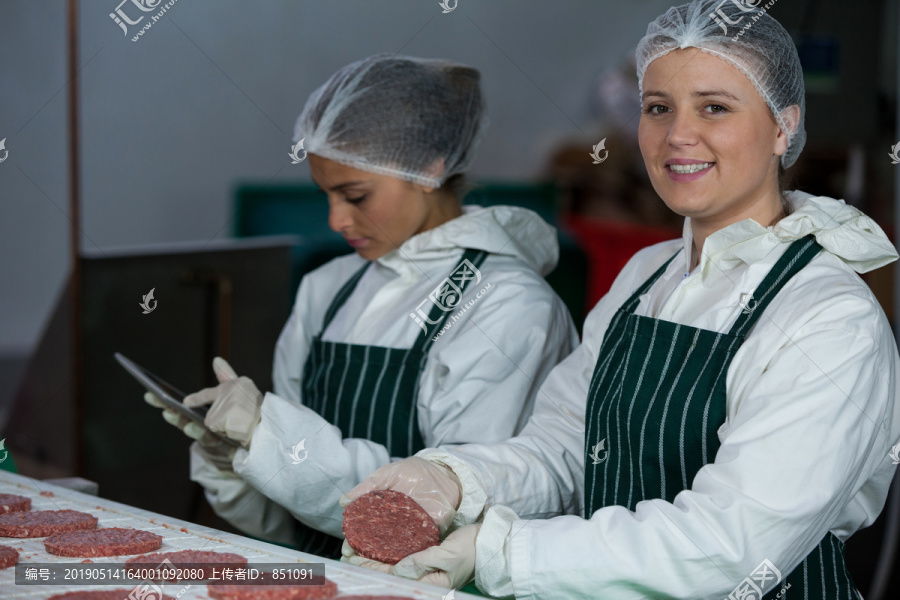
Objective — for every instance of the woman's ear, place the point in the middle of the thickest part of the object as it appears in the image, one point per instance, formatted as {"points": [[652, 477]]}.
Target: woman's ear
{"points": [[791, 118], [435, 169]]}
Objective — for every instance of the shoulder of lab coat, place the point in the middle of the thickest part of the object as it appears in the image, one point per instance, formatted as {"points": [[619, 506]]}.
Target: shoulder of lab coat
{"points": [[479, 380], [480, 384]]}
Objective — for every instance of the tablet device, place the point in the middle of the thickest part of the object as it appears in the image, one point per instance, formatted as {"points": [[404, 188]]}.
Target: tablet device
{"points": [[171, 396]]}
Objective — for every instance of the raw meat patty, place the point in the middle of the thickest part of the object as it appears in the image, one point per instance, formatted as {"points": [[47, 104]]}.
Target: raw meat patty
{"points": [[42, 523], [101, 595], [11, 503], [274, 592], [374, 598], [112, 541], [188, 557], [8, 557], [388, 526]]}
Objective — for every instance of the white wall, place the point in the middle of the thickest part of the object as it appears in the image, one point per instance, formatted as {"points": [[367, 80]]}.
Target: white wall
{"points": [[208, 96]]}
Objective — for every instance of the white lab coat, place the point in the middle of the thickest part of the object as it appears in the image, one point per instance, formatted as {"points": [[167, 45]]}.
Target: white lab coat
{"points": [[478, 384], [812, 413]]}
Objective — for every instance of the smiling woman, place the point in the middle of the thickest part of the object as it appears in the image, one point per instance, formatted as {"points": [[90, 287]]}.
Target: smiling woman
{"points": [[729, 414]]}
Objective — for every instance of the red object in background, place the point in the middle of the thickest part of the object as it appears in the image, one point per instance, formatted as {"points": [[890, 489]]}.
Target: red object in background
{"points": [[609, 245]]}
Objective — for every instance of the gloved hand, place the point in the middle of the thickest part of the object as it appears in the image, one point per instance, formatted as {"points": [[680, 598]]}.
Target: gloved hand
{"points": [[449, 565], [435, 487], [235, 404], [215, 450], [349, 555]]}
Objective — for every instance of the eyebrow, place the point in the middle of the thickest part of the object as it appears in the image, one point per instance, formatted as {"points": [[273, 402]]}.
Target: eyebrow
{"points": [[700, 94], [339, 187]]}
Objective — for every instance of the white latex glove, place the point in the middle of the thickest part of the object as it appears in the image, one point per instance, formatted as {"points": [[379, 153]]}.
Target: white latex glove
{"points": [[349, 555], [235, 404], [215, 450], [450, 565], [435, 487]]}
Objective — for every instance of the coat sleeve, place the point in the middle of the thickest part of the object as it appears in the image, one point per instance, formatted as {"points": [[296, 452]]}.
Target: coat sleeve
{"points": [[239, 503], [809, 426]]}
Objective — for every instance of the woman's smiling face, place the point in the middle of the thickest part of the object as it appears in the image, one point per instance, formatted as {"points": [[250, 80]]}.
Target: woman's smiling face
{"points": [[709, 140]]}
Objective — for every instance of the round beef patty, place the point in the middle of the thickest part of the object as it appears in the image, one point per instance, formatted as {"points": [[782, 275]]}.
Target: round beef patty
{"points": [[388, 526], [111, 541], [41, 523], [321, 589], [102, 595], [374, 598], [10, 503], [8, 557], [188, 557]]}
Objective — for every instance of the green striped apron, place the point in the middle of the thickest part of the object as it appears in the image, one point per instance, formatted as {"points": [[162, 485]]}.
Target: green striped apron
{"points": [[370, 391], [655, 404]]}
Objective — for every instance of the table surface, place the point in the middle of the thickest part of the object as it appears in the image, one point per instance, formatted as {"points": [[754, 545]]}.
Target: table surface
{"points": [[177, 535]]}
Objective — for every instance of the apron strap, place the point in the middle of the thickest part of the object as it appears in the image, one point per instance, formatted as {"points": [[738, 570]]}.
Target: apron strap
{"points": [[459, 279], [342, 296], [454, 285], [795, 258], [634, 300]]}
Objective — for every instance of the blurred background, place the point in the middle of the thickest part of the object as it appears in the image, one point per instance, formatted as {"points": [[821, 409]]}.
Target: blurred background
{"points": [[184, 174]]}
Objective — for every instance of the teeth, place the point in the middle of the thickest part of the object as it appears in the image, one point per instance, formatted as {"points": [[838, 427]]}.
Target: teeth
{"points": [[690, 168]]}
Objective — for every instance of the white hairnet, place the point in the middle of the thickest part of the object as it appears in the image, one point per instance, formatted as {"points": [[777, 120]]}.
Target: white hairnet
{"points": [[743, 34], [415, 119]]}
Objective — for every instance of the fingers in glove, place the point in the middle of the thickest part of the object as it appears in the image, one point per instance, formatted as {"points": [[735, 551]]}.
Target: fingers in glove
{"points": [[438, 578], [153, 400], [367, 563], [416, 565], [455, 558], [347, 550], [173, 418], [223, 370], [369, 484], [207, 439], [197, 432], [201, 398]]}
